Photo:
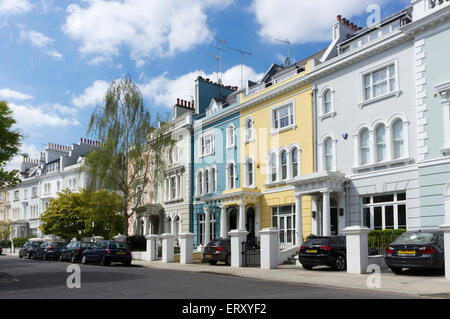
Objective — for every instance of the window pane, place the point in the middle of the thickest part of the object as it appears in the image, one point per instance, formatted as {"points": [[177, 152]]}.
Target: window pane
{"points": [[366, 217], [383, 198], [389, 215], [402, 216], [401, 196], [381, 145], [378, 221]]}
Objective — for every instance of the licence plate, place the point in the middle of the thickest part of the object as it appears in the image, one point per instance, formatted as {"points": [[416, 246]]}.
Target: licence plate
{"points": [[311, 251], [208, 256], [120, 253], [406, 252]]}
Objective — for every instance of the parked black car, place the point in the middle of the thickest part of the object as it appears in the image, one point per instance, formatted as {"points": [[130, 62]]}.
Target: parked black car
{"points": [[29, 249], [73, 251], [49, 249], [217, 250], [107, 251], [1, 250], [419, 250], [327, 251]]}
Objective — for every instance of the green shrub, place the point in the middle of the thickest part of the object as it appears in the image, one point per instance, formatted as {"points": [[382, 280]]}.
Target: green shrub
{"points": [[137, 243], [379, 239], [19, 242], [5, 243]]}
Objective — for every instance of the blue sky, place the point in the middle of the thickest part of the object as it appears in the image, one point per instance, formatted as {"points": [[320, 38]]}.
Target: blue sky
{"points": [[58, 56]]}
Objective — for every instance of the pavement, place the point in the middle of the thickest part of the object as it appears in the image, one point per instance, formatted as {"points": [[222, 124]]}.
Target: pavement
{"points": [[417, 283]]}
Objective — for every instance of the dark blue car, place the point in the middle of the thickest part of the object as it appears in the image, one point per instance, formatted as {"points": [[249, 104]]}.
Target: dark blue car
{"points": [[107, 251]]}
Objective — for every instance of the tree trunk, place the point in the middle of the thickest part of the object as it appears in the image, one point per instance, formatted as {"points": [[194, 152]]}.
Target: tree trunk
{"points": [[125, 223]]}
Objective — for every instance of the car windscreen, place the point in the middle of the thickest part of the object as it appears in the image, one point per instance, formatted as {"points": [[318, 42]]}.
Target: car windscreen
{"points": [[36, 244], [217, 243], [415, 238], [117, 245], [58, 245], [317, 241]]}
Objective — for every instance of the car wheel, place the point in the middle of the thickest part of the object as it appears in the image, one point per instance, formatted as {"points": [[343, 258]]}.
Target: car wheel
{"points": [[20, 255], [228, 260], [307, 267], [127, 263], [340, 263], [29, 256], [103, 261], [73, 259], [396, 270], [84, 260], [61, 258], [212, 262]]}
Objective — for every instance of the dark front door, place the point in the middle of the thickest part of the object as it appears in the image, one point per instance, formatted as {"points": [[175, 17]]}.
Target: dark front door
{"points": [[250, 223], [334, 221], [233, 219]]}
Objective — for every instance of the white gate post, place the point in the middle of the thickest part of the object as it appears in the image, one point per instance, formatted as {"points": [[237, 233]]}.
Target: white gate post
{"points": [[270, 249], [446, 229], [357, 249], [237, 238], [152, 249], [186, 248], [168, 241], [120, 237]]}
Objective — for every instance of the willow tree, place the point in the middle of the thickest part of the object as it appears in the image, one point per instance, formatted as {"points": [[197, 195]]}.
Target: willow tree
{"points": [[130, 155]]}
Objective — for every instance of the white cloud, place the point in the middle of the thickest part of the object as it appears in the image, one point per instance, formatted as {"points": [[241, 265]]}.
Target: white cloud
{"points": [[15, 95], [31, 150], [29, 117], [41, 41], [302, 21], [65, 110], [14, 6], [164, 91], [92, 95], [146, 28]]}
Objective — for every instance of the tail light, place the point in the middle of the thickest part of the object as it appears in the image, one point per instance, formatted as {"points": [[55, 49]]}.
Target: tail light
{"points": [[426, 250], [326, 248], [220, 248], [302, 247], [50, 247], [389, 250], [129, 253], [108, 252], [78, 250]]}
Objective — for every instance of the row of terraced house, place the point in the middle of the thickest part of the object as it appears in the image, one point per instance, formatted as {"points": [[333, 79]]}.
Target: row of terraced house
{"points": [[356, 134]]}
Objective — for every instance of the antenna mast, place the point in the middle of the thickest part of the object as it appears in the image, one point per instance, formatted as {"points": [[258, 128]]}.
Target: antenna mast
{"points": [[242, 55], [289, 48], [220, 49]]}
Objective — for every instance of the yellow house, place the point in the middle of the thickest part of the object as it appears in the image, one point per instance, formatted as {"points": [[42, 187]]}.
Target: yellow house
{"points": [[276, 146]]}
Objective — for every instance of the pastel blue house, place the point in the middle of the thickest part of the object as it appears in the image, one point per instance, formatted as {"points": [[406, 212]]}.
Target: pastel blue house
{"points": [[431, 27], [215, 157]]}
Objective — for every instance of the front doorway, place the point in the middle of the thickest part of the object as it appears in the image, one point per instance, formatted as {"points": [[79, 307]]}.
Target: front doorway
{"points": [[283, 218], [232, 218], [334, 217], [250, 223]]}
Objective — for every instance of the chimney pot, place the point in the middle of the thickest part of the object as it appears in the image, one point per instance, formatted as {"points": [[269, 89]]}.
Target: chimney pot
{"points": [[178, 101]]}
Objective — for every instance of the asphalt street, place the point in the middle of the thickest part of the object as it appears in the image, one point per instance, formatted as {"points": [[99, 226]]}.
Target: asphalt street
{"points": [[24, 278]]}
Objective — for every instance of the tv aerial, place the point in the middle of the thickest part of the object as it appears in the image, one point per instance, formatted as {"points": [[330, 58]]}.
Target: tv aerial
{"points": [[219, 58], [287, 61], [242, 52]]}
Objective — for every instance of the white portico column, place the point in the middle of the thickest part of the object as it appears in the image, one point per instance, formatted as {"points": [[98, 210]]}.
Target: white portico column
{"points": [[223, 222], [207, 225], [242, 216], [298, 220], [326, 229]]}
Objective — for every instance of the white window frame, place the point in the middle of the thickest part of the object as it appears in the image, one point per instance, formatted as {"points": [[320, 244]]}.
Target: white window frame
{"points": [[322, 112], [270, 168], [229, 179], [379, 145], [249, 134], [232, 143], [202, 151], [291, 116], [390, 92], [249, 160], [291, 162], [395, 203]]}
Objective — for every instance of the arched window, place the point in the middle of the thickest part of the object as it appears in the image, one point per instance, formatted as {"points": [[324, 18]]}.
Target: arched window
{"points": [[213, 180], [328, 154], [327, 102], [200, 183], [294, 162], [380, 133], [250, 172], [249, 130], [273, 167], [230, 136], [398, 139], [283, 160], [231, 175], [364, 146], [206, 181]]}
